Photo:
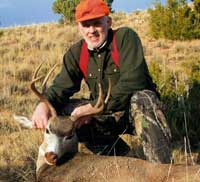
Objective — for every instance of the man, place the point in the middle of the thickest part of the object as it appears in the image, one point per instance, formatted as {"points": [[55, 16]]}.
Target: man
{"points": [[133, 93]]}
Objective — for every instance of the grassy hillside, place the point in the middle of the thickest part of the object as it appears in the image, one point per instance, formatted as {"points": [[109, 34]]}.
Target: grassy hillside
{"points": [[174, 65]]}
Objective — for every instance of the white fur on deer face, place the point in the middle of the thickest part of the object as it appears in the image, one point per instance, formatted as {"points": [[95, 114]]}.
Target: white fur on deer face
{"points": [[57, 145]]}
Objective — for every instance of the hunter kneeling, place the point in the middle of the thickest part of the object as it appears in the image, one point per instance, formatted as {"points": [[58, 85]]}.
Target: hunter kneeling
{"points": [[133, 105]]}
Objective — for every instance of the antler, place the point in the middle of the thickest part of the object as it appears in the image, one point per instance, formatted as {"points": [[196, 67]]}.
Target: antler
{"points": [[100, 104], [37, 93]]}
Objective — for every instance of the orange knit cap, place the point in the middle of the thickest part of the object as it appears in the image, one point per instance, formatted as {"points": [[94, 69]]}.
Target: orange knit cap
{"points": [[90, 9]]}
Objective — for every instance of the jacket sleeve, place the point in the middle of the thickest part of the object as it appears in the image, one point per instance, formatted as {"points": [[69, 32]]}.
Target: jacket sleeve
{"points": [[66, 83], [132, 70]]}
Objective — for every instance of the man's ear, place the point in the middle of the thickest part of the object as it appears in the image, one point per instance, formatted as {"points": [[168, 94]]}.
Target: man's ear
{"points": [[109, 21]]}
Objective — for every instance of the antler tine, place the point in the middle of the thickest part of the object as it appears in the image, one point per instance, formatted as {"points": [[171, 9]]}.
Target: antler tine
{"points": [[36, 71], [99, 106], [47, 77], [35, 79], [109, 91], [38, 94]]}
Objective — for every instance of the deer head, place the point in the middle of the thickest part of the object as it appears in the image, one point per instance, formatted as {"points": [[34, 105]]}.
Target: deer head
{"points": [[59, 135]]}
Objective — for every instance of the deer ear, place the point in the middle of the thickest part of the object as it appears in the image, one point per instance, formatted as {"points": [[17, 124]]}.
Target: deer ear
{"points": [[23, 121]]}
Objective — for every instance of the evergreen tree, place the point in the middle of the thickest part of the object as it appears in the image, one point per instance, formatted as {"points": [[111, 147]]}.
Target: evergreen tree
{"points": [[109, 3], [176, 20], [66, 8], [156, 22], [196, 18]]}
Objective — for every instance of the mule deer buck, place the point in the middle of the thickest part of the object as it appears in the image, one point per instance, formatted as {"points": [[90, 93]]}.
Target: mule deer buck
{"points": [[59, 136]]}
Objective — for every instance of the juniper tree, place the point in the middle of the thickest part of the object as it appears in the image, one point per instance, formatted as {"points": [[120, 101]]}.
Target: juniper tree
{"points": [[66, 8], [175, 20]]}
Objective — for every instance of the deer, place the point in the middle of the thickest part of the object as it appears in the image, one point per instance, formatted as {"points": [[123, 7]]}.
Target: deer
{"points": [[59, 136], [60, 140]]}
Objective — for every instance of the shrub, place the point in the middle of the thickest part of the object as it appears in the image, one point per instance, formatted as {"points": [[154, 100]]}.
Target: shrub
{"points": [[181, 100], [1, 33], [176, 20]]}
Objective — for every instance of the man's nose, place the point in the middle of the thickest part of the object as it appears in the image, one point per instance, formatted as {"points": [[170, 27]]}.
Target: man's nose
{"points": [[92, 29]]}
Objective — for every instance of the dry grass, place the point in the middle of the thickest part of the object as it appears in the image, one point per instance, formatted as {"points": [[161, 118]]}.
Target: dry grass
{"points": [[23, 48]]}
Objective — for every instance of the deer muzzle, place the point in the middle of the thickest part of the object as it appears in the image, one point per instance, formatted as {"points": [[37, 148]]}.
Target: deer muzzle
{"points": [[51, 158]]}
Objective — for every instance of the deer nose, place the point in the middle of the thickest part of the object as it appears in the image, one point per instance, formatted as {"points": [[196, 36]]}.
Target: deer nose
{"points": [[51, 158]]}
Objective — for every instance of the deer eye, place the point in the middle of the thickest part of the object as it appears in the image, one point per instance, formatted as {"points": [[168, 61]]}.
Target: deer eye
{"points": [[68, 137], [47, 131]]}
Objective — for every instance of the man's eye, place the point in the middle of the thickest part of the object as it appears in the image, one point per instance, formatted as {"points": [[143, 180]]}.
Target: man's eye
{"points": [[88, 24], [85, 24], [97, 23]]}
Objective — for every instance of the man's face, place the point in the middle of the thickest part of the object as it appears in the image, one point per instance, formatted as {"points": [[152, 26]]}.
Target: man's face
{"points": [[95, 31]]}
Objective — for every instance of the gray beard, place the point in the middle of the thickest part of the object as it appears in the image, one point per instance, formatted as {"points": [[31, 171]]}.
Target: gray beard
{"points": [[90, 47]]}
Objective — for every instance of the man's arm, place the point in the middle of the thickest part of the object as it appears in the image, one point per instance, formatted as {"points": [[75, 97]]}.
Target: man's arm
{"points": [[66, 83]]}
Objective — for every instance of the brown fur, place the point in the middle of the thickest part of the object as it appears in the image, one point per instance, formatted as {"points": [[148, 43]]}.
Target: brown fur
{"points": [[62, 126], [90, 168]]}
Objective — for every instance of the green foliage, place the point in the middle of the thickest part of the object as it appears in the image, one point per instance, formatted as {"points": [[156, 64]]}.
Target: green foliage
{"points": [[181, 100], [176, 20], [109, 3], [66, 8], [197, 6]]}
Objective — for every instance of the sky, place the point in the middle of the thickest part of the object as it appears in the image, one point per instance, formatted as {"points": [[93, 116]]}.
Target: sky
{"points": [[23, 12]]}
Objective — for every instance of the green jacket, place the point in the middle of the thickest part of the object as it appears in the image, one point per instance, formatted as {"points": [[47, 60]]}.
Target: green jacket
{"points": [[131, 76]]}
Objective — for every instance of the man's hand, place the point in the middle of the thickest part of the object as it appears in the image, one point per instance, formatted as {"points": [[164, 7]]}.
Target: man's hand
{"points": [[40, 116], [83, 110], [83, 121], [83, 113]]}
